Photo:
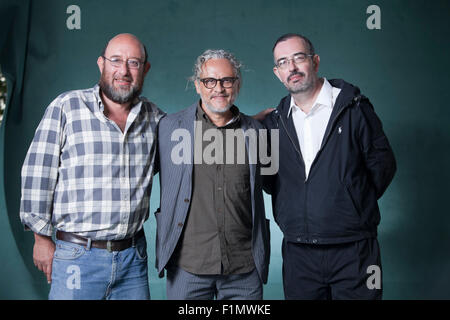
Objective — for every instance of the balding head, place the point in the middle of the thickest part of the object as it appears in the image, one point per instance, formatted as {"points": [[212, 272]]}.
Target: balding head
{"points": [[123, 67], [126, 39]]}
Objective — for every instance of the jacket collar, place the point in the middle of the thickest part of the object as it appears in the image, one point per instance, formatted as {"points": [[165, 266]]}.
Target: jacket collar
{"points": [[324, 98], [345, 97]]}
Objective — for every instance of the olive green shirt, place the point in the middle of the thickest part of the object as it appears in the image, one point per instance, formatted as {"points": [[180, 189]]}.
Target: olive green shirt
{"points": [[217, 235]]}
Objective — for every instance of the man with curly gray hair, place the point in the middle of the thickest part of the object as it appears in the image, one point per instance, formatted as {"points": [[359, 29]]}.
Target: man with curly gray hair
{"points": [[212, 235], [217, 54]]}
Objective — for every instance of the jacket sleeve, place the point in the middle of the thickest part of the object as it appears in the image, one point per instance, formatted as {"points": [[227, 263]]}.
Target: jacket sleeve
{"points": [[156, 165], [268, 181], [377, 152]]}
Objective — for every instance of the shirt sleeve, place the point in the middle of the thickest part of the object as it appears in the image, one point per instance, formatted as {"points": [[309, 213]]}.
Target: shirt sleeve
{"points": [[160, 115], [40, 171]]}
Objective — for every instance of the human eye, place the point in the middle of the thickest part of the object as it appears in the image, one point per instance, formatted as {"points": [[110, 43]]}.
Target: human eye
{"points": [[209, 82], [282, 63], [133, 63], [299, 57], [115, 61], [228, 81]]}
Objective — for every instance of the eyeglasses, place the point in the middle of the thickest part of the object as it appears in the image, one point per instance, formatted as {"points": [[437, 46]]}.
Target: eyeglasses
{"points": [[226, 82], [298, 59], [131, 63]]}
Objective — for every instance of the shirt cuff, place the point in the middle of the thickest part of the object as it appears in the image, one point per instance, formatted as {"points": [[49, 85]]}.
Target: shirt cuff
{"points": [[38, 225]]}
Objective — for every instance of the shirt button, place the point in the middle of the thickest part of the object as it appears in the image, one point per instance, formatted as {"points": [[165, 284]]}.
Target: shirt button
{"points": [[186, 200], [314, 241], [180, 224]]}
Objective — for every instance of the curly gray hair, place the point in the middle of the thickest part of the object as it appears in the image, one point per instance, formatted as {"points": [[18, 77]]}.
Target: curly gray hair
{"points": [[216, 54]]}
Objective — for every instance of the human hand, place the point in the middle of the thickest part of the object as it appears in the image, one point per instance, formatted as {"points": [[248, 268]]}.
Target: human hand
{"points": [[262, 115], [43, 251]]}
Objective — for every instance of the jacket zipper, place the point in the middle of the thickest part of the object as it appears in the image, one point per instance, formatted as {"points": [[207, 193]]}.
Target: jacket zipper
{"points": [[290, 138], [305, 220], [317, 155]]}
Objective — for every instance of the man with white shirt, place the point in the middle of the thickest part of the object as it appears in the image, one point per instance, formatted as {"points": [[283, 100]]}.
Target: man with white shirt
{"points": [[335, 162]]}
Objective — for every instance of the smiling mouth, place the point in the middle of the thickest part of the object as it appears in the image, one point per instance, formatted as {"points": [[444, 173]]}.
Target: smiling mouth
{"points": [[123, 82], [219, 97]]}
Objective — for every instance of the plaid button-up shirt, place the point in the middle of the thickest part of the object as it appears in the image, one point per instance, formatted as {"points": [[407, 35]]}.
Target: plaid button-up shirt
{"points": [[82, 174]]}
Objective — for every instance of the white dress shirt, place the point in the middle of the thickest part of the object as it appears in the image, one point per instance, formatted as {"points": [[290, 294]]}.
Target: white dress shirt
{"points": [[311, 127]]}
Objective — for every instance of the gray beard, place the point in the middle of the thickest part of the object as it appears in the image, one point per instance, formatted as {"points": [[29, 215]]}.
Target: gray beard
{"points": [[214, 110], [119, 96], [304, 88]]}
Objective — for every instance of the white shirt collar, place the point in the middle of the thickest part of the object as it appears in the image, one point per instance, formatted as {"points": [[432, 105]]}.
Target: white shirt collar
{"points": [[324, 98]]}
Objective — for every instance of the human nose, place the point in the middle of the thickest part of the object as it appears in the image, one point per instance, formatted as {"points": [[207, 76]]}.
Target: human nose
{"points": [[219, 86], [123, 68], [292, 65]]}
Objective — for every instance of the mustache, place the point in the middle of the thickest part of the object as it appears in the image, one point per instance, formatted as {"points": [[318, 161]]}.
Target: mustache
{"points": [[123, 78], [295, 73], [219, 95]]}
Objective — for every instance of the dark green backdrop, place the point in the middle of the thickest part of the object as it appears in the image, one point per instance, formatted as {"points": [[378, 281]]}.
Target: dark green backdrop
{"points": [[403, 68]]}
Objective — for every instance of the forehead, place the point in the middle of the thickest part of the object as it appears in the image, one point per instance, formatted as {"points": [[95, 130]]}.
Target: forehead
{"points": [[125, 47], [289, 47], [217, 68]]}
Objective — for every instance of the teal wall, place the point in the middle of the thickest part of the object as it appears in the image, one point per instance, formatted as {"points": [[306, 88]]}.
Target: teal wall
{"points": [[403, 68]]}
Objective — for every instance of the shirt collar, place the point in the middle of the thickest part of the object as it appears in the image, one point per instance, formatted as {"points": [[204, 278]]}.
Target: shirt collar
{"points": [[324, 98]]}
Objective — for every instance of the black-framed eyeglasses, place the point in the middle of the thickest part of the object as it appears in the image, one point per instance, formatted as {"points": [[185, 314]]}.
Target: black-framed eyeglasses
{"points": [[118, 62], [298, 59], [226, 82]]}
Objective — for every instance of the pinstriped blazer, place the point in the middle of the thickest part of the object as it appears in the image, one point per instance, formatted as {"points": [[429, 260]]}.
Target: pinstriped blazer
{"points": [[176, 191]]}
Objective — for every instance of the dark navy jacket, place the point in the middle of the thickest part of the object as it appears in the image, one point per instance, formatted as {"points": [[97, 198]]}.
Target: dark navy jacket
{"points": [[351, 171]]}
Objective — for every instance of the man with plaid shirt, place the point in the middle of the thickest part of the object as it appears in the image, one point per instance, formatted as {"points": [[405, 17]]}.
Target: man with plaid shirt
{"points": [[87, 176]]}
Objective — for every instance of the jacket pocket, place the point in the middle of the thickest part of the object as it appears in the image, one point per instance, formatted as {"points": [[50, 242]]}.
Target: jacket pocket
{"points": [[355, 203]]}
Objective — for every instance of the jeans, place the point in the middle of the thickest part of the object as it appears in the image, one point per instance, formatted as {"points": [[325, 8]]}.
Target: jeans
{"points": [[80, 273]]}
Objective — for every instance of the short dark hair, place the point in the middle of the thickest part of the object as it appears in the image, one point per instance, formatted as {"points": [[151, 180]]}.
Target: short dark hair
{"points": [[145, 51], [287, 36]]}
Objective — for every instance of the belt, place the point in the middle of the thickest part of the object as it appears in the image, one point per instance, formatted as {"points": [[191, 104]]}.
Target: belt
{"points": [[110, 245]]}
